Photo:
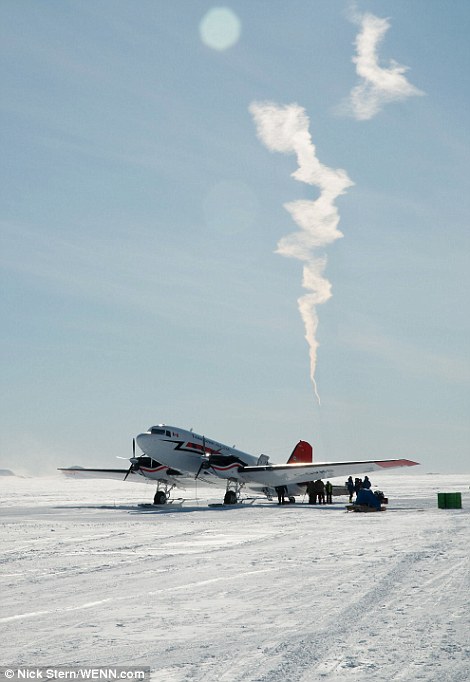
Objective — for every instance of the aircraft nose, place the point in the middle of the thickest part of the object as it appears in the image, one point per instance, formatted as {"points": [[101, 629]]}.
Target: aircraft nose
{"points": [[142, 440]]}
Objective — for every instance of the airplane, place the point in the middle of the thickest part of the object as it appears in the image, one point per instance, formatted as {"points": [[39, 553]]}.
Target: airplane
{"points": [[175, 457]]}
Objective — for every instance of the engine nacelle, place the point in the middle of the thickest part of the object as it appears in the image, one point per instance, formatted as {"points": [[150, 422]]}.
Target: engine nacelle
{"points": [[225, 466]]}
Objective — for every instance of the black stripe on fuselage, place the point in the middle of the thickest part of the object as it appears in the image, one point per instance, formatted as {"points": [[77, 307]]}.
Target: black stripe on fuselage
{"points": [[225, 460]]}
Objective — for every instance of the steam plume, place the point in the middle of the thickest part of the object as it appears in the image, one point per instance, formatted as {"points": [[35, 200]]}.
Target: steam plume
{"points": [[285, 129], [378, 85]]}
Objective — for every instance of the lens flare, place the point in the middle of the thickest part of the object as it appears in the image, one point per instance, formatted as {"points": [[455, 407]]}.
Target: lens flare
{"points": [[220, 28]]}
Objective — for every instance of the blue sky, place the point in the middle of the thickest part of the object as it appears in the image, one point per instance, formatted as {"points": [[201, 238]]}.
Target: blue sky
{"points": [[141, 214]]}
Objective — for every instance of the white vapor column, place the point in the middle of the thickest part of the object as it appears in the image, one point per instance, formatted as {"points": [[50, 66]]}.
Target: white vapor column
{"points": [[377, 85], [286, 129]]}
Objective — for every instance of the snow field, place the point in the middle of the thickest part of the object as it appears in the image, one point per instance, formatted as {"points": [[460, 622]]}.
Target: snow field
{"points": [[254, 593]]}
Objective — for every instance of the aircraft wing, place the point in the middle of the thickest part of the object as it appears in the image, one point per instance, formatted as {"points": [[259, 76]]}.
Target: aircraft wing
{"points": [[177, 479], [283, 474], [116, 474]]}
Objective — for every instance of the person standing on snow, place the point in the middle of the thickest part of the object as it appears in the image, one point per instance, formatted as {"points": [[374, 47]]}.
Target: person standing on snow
{"points": [[329, 492], [281, 493], [312, 492], [320, 491]]}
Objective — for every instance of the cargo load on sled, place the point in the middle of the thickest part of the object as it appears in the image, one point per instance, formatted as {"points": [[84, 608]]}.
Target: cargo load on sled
{"points": [[368, 501]]}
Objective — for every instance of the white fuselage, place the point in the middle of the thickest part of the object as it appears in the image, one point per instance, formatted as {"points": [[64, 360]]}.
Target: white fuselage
{"points": [[185, 450]]}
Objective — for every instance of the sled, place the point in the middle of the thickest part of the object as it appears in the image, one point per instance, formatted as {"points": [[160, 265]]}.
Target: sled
{"points": [[174, 502], [364, 508]]}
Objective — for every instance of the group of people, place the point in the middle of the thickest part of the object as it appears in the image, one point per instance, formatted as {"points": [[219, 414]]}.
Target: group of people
{"points": [[322, 493], [356, 485], [317, 490]]}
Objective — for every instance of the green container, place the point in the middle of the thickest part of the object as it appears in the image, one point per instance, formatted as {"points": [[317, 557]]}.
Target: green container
{"points": [[449, 500], [441, 500], [455, 501]]}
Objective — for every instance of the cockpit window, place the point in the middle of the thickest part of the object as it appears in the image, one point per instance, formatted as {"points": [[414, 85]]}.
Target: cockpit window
{"points": [[156, 431]]}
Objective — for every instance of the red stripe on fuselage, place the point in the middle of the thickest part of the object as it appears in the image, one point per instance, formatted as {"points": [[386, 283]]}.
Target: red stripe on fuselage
{"points": [[237, 465], [201, 448], [152, 471]]}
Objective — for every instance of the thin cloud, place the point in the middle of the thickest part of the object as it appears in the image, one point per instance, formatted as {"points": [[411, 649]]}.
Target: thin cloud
{"points": [[378, 85], [286, 129], [119, 272], [411, 360]]}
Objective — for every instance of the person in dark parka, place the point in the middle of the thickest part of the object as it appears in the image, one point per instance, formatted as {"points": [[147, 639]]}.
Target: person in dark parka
{"points": [[329, 492], [320, 491], [281, 493], [312, 492]]}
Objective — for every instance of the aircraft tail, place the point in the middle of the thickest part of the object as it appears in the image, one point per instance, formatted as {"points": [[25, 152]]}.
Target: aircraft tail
{"points": [[301, 454]]}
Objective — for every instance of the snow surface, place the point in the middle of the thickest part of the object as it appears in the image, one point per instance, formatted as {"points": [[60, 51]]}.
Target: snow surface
{"points": [[254, 593]]}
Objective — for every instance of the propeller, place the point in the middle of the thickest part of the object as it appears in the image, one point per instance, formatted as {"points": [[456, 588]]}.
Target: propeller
{"points": [[205, 460], [134, 461]]}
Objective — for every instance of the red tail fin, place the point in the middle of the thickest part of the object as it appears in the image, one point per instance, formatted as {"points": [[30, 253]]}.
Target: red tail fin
{"points": [[301, 454]]}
